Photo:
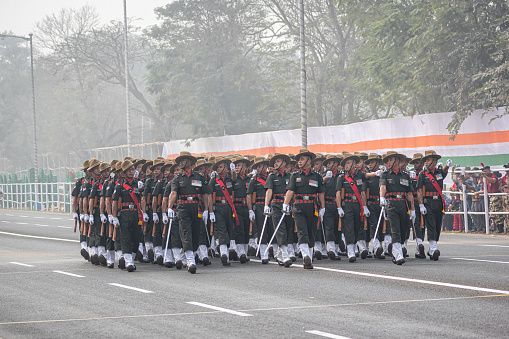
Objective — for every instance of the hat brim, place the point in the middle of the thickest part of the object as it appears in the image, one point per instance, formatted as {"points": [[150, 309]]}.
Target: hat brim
{"points": [[326, 161], [371, 159], [94, 166], [307, 154], [153, 167], [285, 158], [263, 162], [245, 161], [225, 160], [182, 157], [353, 157], [413, 161], [431, 156]]}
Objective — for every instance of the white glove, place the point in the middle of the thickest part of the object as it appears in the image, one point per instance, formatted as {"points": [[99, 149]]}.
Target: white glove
{"points": [[136, 174], [266, 210], [112, 175], [145, 217], [252, 215], [412, 215], [140, 184], [412, 174], [205, 216], [171, 213], [366, 211], [213, 174], [82, 217], [341, 212], [383, 202], [232, 167], [383, 168], [165, 218], [87, 218], [91, 219], [328, 174], [286, 208], [75, 216], [440, 165], [321, 213], [255, 172], [155, 217], [449, 162], [116, 223], [379, 173], [212, 217], [423, 209], [103, 219]]}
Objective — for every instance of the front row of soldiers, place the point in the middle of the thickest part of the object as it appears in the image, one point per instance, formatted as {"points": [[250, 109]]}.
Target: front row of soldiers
{"points": [[182, 212]]}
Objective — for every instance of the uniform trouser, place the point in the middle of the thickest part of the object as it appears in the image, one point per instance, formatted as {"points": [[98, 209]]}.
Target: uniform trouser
{"points": [[147, 237], [351, 224], [131, 232], [305, 220], [375, 210], [242, 230], [224, 224], [330, 223], [399, 220], [204, 234], [97, 239], [433, 218], [286, 227], [157, 239], [269, 227], [419, 231], [174, 234], [190, 225]]}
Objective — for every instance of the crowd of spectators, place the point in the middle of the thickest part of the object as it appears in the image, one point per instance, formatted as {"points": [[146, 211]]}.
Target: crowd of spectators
{"points": [[497, 182]]}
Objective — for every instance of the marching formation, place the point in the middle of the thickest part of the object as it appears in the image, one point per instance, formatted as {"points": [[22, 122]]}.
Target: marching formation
{"points": [[182, 212]]}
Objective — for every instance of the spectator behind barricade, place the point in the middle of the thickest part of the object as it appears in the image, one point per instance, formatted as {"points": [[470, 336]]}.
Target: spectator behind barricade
{"points": [[496, 205], [456, 206], [477, 202], [505, 205], [505, 179]]}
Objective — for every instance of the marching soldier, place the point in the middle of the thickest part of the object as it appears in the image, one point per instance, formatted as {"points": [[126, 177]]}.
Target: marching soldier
{"points": [[395, 190], [319, 247], [372, 189], [305, 186], [188, 190], [78, 214], [203, 253], [116, 233], [431, 200], [221, 208], [419, 224], [130, 210], [149, 216], [331, 217], [93, 225], [256, 202], [239, 200], [276, 191], [105, 209], [351, 199]]}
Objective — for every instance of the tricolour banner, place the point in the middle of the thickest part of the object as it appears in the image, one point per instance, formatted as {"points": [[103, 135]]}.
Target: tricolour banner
{"points": [[477, 140]]}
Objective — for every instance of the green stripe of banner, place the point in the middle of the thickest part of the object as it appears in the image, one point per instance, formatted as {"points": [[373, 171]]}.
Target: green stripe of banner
{"points": [[490, 160]]}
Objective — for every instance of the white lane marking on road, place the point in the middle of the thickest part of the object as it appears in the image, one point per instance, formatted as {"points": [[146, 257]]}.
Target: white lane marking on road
{"points": [[70, 274], [130, 288], [56, 218], [21, 264], [420, 281], [38, 237], [220, 309], [23, 216], [64, 227], [5, 221], [327, 335], [39, 217], [22, 223], [494, 245], [10, 215], [493, 261]]}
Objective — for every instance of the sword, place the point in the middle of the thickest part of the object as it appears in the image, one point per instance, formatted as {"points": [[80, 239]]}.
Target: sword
{"points": [[378, 224], [279, 224], [167, 239], [261, 235]]}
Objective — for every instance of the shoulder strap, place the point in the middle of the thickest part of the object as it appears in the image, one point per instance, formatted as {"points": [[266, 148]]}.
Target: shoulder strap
{"points": [[228, 198], [357, 193], [135, 199], [437, 187]]}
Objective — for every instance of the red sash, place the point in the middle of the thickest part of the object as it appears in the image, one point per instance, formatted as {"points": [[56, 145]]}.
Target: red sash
{"points": [[261, 181], [229, 199], [129, 190], [437, 187], [357, 194]]}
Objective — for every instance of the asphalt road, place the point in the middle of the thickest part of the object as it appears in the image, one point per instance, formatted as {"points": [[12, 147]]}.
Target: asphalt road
{"points": [[49, 291]]}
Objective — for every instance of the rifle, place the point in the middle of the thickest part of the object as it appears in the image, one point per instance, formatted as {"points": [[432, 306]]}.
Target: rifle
{"points": [[111, 231], [211, 223], [75, 224], [365, 217], [342, 197], [119, 206], [422, 215], [102, 229]]}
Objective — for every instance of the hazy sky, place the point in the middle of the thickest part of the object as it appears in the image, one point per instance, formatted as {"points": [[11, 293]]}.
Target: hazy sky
{"points": [[20, 16]]}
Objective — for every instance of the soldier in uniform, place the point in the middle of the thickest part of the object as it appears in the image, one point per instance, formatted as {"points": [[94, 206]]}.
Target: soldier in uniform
{"points": [[150, 217], [188, 190], [93, 225], [331, 217], [431, 200], [129, 214], [403, 166], [105, 209], [203, 253], [351, 199], [319, 247], [240, 201], [78, 214], [395, 190], [256, 203], [419, 224], [372, 189], [305, 186], [221, 208], [276, 190]]}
